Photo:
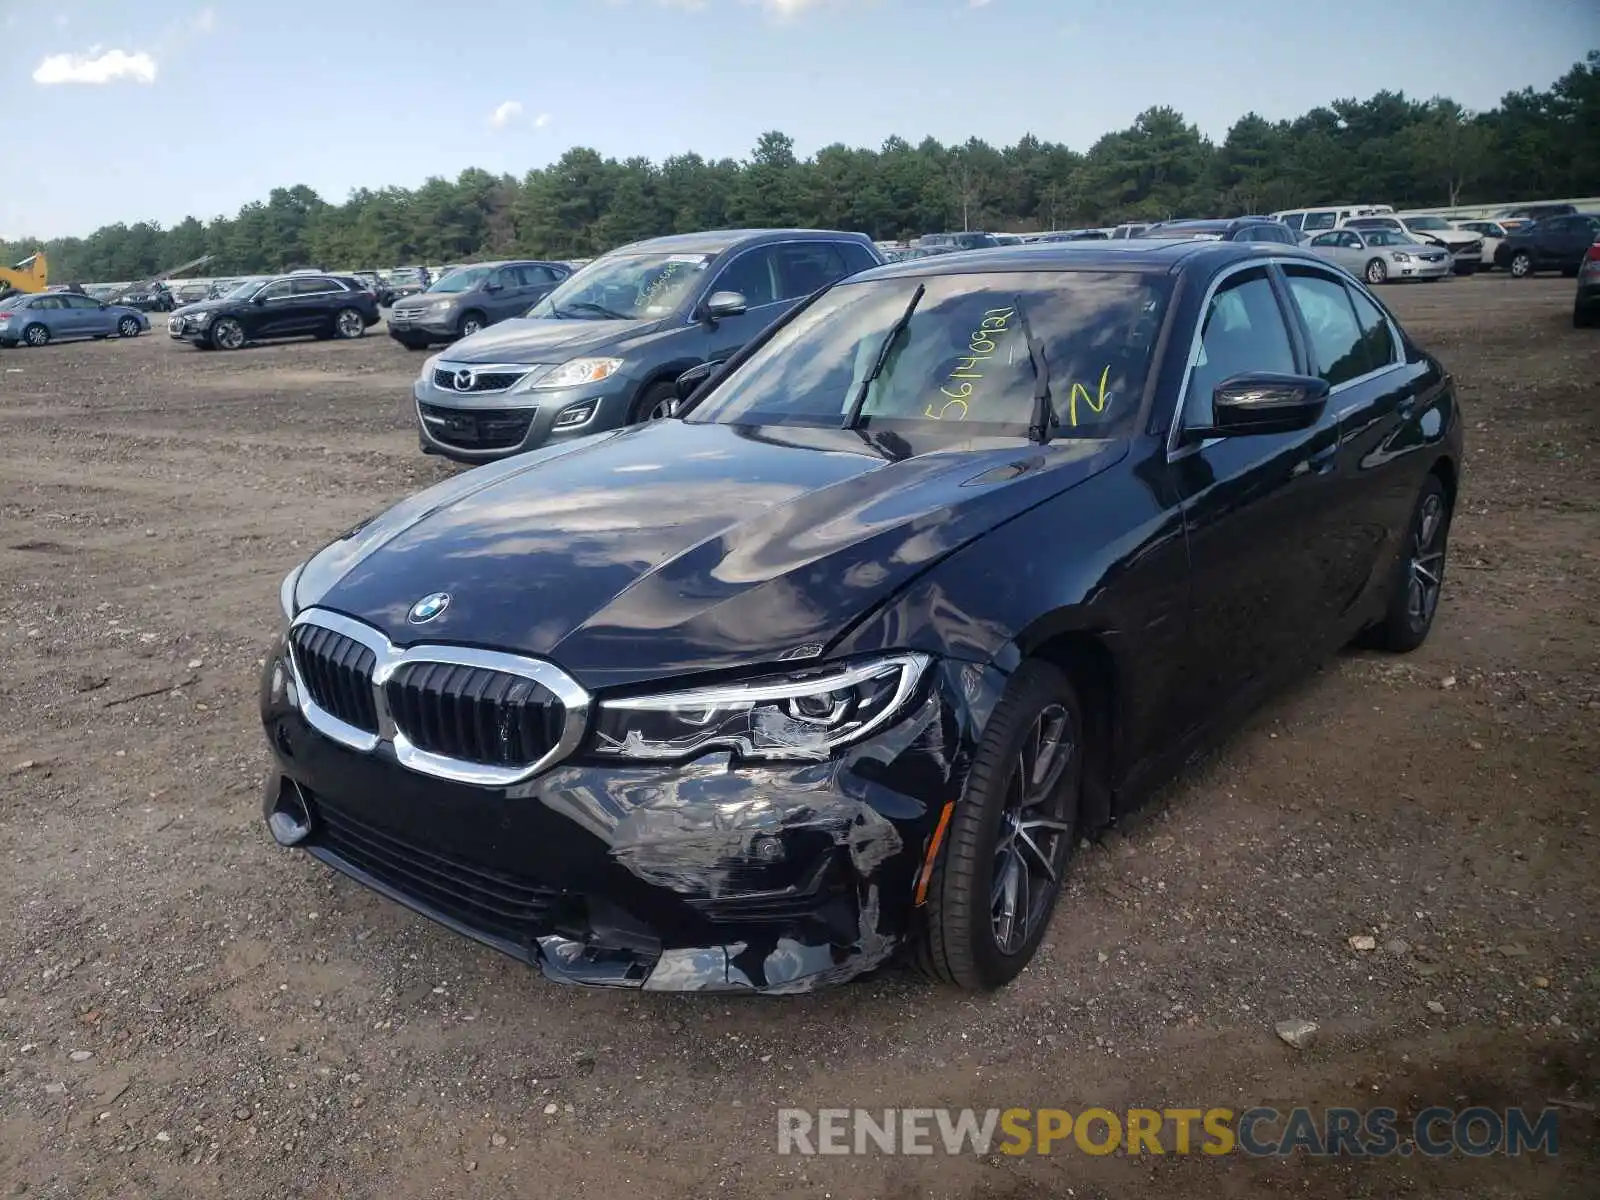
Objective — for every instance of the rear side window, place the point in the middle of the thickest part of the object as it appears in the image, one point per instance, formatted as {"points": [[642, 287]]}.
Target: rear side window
{"points": [[312, 285], [1330, 319], [1320, 220], [803, 267], [1293, 220], [1243, 331]]}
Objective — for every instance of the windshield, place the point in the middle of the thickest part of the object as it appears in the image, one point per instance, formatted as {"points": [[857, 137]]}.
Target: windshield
{"points": [[462, 280], [626, 287], [962, 361], [1428, 223]]}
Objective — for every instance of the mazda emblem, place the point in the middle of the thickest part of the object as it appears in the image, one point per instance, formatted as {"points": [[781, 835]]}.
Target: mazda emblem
{"points": [[464, 379]]}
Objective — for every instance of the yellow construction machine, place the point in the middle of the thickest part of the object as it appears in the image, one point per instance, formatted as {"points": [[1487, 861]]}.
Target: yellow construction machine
{"points": [[30, 275]]}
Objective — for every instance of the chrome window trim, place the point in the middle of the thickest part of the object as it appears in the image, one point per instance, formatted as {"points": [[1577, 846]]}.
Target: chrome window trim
{"points": [[1175, 449], [390, 658]]}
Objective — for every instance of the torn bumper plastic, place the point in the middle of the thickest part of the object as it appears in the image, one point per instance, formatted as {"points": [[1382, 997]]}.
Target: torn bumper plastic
{"points": [[706, 875]]}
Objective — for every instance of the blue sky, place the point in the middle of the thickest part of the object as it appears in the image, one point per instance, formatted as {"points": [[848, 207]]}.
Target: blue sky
{"points": [[155, 109]]}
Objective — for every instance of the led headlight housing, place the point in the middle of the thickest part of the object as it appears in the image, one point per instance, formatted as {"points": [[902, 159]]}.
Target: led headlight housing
{"points": [[804, 714], [286, 591]]}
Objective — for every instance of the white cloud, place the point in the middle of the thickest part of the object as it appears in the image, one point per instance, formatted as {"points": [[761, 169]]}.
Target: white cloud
{"points": [[979, 3], [96, 67], [205, 21], [542, 120], [788, 8], [506, 113]]}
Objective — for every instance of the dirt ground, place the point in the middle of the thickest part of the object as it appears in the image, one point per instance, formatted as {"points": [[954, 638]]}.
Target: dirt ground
{"points": [[186, 1010]]}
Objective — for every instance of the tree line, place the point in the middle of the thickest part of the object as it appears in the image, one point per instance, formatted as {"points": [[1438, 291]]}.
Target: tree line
{"points": [[1389, 148]]}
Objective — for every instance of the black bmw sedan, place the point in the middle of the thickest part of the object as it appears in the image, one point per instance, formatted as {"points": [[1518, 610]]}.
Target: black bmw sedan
{"points": [[939, 575]]}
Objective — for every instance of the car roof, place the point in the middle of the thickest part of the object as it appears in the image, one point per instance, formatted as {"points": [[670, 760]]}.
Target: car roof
{"points": [[1205, 224], [1111, 254], [715, 241]]}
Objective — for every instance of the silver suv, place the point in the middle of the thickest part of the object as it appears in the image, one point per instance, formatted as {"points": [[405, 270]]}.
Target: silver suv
{"points": [[606, 347], [467, 299]]}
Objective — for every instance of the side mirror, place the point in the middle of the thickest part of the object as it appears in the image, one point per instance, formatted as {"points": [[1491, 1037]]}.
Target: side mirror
{"points": [[724, 304], [493, 287], [1265, 402], [690, 380]]}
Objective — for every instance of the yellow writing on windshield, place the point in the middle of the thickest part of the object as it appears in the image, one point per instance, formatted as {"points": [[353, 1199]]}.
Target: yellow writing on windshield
{"points": [[1096, 403], [969, 368]]}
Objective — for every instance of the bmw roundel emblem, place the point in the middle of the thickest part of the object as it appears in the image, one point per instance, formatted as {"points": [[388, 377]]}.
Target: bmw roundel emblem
{"points": [[428, 608]]}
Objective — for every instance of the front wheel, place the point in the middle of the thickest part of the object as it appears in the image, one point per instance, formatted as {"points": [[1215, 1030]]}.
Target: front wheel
{"points": [[227, 334], [1009, 839], [128, 328], [471, 323], [1377, 271], [654, 403], [1419, 573], [348, 324], [1521, 265]]}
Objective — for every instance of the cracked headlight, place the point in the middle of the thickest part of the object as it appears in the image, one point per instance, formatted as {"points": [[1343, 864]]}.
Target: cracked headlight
{"points": [[804, 714]]}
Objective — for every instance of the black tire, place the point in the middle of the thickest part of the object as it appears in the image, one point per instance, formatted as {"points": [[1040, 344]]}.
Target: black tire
{"points": [[226, 334], [649, 404], [1376, 271], [35, 335], [471, 322], [349, 324], [1569, 272], [1584, 318], [128, 328], [1521, 265], [957, 934], [415, 345], [1413, 599], [203, 345]]}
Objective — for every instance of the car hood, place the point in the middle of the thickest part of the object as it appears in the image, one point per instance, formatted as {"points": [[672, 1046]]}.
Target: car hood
{"points": [[673, 547], [1450, 237], [205, 306], [534, 339]]}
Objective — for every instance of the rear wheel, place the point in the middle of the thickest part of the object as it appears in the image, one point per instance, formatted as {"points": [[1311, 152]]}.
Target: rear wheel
{"points": [[1419, 573], [348, 324], [1521, 265], [1377, 271], [128, 328], [998, 876], [36, 335], [227, 334]]}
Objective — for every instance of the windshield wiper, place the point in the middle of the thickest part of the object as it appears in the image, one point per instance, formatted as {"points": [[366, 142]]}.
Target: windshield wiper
{"points": [[1044, 413], [895, 330], [609, 313]]}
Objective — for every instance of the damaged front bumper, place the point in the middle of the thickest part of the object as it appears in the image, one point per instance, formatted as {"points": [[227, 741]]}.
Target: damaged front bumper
{"points": [[708, 875]]}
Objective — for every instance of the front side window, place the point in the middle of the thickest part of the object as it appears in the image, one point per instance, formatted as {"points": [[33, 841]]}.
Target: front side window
{"points": [[1330, 239], [1243, 331], [626, 287], [962, 361], [464, 279], [276, 290], [753, 275], [856, 257], [1325, 306], [1293, 220], [1377, 338]]}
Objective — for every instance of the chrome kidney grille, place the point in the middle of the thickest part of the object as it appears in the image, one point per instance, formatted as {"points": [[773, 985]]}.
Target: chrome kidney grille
{"points": [[472, 716]]}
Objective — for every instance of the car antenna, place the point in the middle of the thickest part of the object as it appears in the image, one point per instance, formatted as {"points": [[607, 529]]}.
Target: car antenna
{"points": [[1044, 413], [852, 416]]}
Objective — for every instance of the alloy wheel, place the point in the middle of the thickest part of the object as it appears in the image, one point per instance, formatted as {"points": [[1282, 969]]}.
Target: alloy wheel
{"points": [[350, 324], [37, 335], [228, 334], [470, 326], [1425, 573], [1377, 272], [1521, 266], [128, 328], [1035, 833]]}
